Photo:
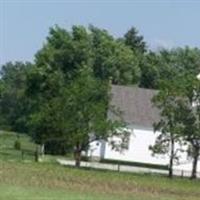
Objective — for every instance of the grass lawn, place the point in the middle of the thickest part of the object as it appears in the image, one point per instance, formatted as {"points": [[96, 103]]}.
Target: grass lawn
{"points": [[27, 180], [40, 181]]}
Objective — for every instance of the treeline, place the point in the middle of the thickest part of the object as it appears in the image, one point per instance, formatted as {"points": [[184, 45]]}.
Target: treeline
{"points": [[64, 93]]}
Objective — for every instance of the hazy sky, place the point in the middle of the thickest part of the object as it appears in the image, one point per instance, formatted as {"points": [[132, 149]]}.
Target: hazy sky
{"points": [[24, 24]]}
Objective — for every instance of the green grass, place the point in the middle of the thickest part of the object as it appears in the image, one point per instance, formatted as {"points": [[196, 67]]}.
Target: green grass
{"points": [[24, 193], [9, 153], [27, 180], [37, 181]]}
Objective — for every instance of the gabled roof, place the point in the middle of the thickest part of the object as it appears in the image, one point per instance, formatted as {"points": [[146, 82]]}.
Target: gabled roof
{"points": [[135, 105]]}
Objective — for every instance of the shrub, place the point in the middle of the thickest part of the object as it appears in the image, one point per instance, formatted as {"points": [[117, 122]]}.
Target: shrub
{"points": [[17, 145], [57, 147]]}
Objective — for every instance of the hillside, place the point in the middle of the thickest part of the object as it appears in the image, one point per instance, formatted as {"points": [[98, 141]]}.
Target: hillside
{"points": [[9, 153]]}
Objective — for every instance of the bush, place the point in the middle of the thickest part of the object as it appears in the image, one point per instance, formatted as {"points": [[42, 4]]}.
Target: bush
{"points": [[17, 145], [56, 147]]}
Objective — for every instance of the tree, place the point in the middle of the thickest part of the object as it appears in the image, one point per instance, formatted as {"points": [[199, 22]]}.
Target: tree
{"points": [[94, 48], [87, 112], [177, 61], [150, 74], [134, 41], [66, 51], [76, 111], [112, 58], [181, 115], [166, 64], [45, 88], [67, 61], [169, 124], [14, 105], [190, 109]]}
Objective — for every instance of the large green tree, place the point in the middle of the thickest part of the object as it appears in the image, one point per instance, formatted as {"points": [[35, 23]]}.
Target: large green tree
{"points": [[71, 78], [76, 111]]}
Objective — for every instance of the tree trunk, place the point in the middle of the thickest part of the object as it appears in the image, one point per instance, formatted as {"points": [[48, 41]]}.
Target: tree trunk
{"points": [[36, 154], [77, 157], [171, 162], [195, 162]]}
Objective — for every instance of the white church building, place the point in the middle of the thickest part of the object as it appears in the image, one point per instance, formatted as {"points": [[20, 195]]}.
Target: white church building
{"points": [[139, 114]]}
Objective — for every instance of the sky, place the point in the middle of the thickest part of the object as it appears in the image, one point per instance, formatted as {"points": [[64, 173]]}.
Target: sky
{"points": [[24, 24]]}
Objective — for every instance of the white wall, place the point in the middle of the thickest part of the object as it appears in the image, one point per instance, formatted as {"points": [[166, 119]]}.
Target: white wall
{"points": [[138, 151], [95, 149]]}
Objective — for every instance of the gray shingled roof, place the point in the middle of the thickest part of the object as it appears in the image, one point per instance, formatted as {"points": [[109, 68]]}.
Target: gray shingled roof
{"points": [[135, 105]]}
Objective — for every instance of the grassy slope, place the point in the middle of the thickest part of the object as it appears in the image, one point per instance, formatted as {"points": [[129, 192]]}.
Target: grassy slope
{"points": [[20, 180], [7, 151]]}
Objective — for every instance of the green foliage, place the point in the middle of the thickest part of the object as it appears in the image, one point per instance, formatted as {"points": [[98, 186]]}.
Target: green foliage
{"points": [[112, 58], [72, 111], [17, 145], [14, 105], [57, 146], [179, 102], [164, 65], [150, 74], [170, 125], [135, 41], [69, 51], [189, 107]]}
